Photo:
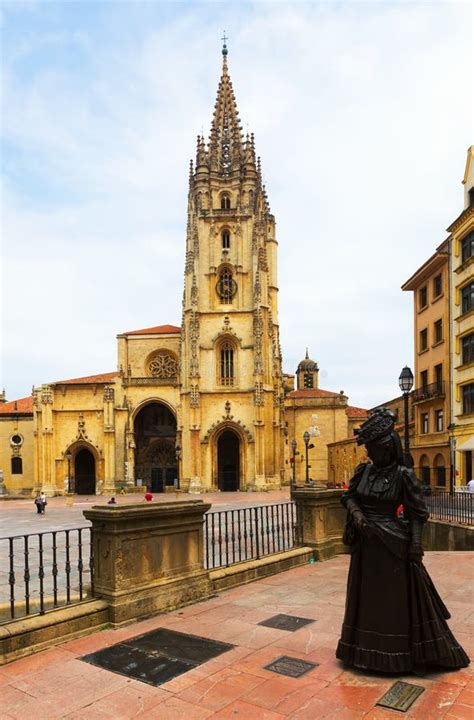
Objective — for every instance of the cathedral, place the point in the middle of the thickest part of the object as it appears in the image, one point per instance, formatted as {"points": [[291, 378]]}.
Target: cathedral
{"points": [[201, 406]]}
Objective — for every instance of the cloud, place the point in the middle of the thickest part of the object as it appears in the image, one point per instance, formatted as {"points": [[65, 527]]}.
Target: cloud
{"points": [[360, 116]]}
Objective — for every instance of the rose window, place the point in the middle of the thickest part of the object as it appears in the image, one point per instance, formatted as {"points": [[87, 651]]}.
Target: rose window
{"points": [[163, 366]]}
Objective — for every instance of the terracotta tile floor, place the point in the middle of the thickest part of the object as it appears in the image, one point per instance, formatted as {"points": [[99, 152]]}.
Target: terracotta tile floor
{"points": [[57, 684]]}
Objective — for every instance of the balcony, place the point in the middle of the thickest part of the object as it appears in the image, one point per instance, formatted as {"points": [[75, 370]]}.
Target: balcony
{"points": [[428, 392]]}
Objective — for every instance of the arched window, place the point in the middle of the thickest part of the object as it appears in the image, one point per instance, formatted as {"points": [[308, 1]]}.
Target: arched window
{"points": [[17, 466], [225, 201], [226, 286], [225, 240], [226, 364]]}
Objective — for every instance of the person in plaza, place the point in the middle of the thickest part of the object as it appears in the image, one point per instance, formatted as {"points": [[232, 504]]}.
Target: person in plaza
{"points": [[148, 496], [395, 621], [43, 501], [112, 501], [38, 503]]}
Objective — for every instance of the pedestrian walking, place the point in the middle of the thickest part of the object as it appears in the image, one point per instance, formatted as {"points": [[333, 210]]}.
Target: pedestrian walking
{"points": [[44, 502], [38, 503]]}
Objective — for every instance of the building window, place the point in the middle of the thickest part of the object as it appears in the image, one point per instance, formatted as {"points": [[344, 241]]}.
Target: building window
{"points": [[17, 466], [422, 297], [424, 379], [423, 339], [308, 380], [227, 364], [437, 286], [425, 475], [467, 247], [439, 420], [467, 298], [225, 240], [225, 202], [467, 349], [467, 399], [438, 331], [226, 286], [438, 371], [424, 423]]}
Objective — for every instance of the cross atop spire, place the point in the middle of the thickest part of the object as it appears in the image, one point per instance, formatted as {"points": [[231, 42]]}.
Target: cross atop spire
{"points": [[224, 46]]}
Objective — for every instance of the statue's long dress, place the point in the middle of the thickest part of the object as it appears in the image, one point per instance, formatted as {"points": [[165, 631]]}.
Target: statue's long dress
{"points": [[395, 621]]}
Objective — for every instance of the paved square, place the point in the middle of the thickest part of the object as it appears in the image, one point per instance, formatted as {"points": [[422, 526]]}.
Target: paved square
{"points": [[58, 684]]}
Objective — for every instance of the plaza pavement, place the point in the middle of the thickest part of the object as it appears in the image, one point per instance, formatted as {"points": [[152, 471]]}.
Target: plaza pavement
{"points": [[57, 684], [19, 517]]}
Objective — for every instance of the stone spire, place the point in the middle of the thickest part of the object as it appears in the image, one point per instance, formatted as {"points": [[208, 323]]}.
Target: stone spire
{"points": [[226, 146]]}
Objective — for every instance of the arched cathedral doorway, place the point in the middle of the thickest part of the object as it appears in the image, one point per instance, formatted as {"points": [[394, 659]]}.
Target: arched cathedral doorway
{"points": [[84, 472], [228, 461], [155, 440]]}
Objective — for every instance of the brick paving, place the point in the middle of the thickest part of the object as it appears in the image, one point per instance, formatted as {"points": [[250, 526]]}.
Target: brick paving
{"points": [[57, 684]]}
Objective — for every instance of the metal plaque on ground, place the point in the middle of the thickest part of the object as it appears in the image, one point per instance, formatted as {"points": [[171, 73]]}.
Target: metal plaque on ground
{"points": [[291, 667], [401, 696], [157, 656], [286, 622]]}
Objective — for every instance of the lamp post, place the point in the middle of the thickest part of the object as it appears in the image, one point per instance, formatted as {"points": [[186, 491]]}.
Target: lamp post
{"points": [[68, 458], [178, 455], [307, 446], [405, 382], [293, 459]]}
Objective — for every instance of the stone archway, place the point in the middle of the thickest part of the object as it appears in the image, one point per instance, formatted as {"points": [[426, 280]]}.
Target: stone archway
{"points": [[84, 472], [155, 440], [228, 461]]}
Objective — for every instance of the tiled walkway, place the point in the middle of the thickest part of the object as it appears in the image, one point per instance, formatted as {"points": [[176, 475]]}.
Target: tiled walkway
{"points": [[57, 684]]}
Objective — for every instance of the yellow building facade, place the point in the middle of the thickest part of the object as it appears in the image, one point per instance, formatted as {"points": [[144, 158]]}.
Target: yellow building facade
{"points": [[203, 405], [461, 242], [431, 396]]}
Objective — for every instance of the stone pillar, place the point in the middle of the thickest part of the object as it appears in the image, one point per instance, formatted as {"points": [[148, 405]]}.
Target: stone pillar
{"points": [[149, 558], [321, 519]]}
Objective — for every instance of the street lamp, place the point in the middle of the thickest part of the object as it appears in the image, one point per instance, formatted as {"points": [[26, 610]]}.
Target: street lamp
{"points": [[307, 446], [405, 382], [68, 458], [178, 455], [293, 459]]}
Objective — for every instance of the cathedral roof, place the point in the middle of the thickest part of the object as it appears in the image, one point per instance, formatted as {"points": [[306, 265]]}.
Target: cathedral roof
{"points": [[354, 412], [312, 393], [158, 330], [23, 405], [101, 378]]}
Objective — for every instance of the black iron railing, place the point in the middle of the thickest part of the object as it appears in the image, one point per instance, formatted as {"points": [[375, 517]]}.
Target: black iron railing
{"points": [[458, 507], [44, 571], [233, 536], [426, 392]]}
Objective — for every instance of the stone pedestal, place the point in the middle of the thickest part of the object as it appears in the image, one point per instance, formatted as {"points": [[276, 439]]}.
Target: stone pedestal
{"points": [[321, 519], [148, 558]]}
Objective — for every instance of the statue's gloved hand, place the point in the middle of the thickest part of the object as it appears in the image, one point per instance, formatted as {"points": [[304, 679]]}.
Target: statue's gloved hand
{"points": [[415, 552], [360, 521]]}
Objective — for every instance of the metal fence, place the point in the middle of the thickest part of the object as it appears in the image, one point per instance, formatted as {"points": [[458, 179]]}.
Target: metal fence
{"points": [[457, 507], [45, 570], [233, 536]]}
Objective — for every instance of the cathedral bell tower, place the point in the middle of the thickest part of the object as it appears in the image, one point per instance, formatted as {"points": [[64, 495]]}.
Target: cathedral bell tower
{"points": [[232, 427]]}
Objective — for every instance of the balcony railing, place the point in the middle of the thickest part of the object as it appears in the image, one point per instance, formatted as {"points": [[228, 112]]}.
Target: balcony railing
{"points": [[427, 392]]}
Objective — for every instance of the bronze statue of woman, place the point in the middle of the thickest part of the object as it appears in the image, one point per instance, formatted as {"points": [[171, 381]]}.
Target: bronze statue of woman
{"points": [[394, 621]]}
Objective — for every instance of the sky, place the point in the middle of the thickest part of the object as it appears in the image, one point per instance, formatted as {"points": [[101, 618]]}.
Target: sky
{"points": [[362, 116]]}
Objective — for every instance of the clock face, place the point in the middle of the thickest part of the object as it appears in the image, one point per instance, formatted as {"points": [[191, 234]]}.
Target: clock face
{"points": [[16, 440], [226, 288]]}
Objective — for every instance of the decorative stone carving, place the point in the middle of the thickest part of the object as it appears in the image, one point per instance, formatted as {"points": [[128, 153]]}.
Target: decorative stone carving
{"points": [[108, 393], [258, 394], [194, 397], [194, 340], [237, 424], [163, 365], [46, 395], [189, 262], [257, 290], [227, 415], [194, 292], [258, 332], [262, 259]]}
